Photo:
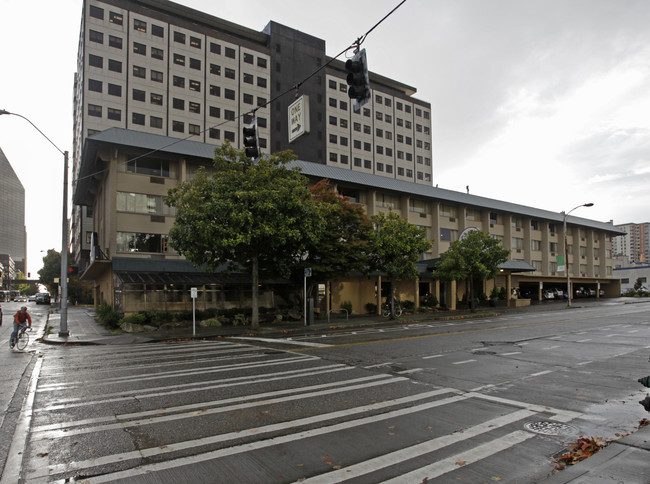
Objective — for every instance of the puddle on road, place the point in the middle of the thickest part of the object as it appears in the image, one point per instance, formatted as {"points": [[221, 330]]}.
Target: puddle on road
{"points": [[613, 417]]}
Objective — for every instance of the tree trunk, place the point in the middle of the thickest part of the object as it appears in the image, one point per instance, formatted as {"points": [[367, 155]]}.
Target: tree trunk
{"points": [[255, 275]]}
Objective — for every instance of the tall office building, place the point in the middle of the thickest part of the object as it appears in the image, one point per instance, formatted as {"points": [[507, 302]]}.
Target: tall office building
{"points": [[634, 245], [13, 235], [158, 67]]}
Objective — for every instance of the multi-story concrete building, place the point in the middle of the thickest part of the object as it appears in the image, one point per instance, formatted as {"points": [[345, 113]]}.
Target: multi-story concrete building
{"points": [[634, 245], [126, 174], [13, 234], [158, 67]]}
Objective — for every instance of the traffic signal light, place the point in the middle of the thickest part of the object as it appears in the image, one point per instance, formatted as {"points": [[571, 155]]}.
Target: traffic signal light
{"points": [[251, 143], [73, 271], [358, 80]]}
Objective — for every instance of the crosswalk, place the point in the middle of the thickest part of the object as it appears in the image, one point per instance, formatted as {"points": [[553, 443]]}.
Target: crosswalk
{"points": [[229, 411]]}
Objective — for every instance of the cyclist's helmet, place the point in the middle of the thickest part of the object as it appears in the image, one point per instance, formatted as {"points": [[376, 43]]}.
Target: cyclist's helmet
{"points": [[24, 308]]}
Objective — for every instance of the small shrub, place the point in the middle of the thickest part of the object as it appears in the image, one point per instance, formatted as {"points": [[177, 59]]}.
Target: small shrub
{"points": [[239, 319], [212, 323], [107, 317], [408, 305], [135, 318], [371, 308], [502, 293], [347, 305], [430, 300]]}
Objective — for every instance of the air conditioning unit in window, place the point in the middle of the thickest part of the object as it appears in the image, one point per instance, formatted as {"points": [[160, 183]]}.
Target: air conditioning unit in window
{"points": [[552, 234], [452, 219], [518, 251], [491, 226], [518, 229]]}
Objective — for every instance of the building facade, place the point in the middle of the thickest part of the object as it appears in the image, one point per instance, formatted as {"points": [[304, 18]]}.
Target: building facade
{"points": [[634, 244], [157, 67], [125, 176], [13, 234]]}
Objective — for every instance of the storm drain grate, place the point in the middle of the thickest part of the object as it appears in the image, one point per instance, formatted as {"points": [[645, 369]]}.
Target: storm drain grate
{"points": [[549, 428]]}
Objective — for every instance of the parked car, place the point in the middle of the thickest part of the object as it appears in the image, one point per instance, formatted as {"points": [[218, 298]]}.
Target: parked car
{"points": [[548, 294], [43, 298], [32, 298]]}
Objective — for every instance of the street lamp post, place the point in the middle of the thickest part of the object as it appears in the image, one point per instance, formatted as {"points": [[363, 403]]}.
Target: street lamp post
{"points": [[566, 252], [63, 328]]}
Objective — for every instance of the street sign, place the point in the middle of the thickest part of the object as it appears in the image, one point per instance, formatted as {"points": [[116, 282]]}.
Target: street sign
{"points": [[298, 118], [194, 292], [308, 272]]}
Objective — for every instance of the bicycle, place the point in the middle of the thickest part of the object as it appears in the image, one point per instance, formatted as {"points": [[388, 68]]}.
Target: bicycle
{"points": [[22, 339], [386, 310]]}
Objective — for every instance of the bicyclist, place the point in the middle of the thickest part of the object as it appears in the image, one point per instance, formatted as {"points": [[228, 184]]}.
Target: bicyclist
{"points": [[20, 321]]}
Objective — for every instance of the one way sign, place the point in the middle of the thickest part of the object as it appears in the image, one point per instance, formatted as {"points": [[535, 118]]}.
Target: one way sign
{"points": [[298, 118]]}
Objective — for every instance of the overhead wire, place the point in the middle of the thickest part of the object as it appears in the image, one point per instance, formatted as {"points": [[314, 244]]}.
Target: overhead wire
{"points": [[294, 88]]}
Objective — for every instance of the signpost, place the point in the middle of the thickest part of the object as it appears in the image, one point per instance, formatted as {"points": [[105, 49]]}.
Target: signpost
{"points": [[194, 294], [298, 118], [307, 274]]}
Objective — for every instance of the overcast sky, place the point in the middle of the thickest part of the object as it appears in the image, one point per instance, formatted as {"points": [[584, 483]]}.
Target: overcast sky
{"points": [[544, 103]]}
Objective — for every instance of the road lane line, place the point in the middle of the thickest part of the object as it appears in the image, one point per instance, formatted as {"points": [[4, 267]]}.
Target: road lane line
{"points": [[463, 362], [288, 341]]}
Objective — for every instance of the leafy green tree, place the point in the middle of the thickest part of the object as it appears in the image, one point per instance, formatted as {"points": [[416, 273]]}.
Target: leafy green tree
{"points": [[254, 215], [51, 269], [396, 246], [475, 256], [346, 234]]}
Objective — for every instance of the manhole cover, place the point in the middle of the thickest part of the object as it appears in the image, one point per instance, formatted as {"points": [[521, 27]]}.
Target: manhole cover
{"points": [[549, 428]]}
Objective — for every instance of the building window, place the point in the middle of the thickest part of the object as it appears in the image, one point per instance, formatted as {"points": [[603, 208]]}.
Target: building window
{"points": [[179, 59], [115, 90], [156, 99], [138, 118], [195, 64], [194, 107], [155, 122], [139, 72], [114, 66], [229, 135], [230, 53], [115, 18], [179, 37], [139, 25], [261, 62], [536, 245], [215, 48], [139, 48], [115, 42], [215, 112], [229, 73], [229, 94], [95, 61], [139, 95], [248, 58], [157, 31], [178, 103], [94, 110], [142, 242], [114, 114], [178, 81], [195, 86], [178, 126], [94, 85], [333, 157], [144, 204], [194, 129], [156, 76], [215, 133], [261, 82], [229, 115], [494, 219], [249, 78], [215, 69], [96, 12], [195, 42], [248, 98], [157, 53], [95, 36], [215, 90]]}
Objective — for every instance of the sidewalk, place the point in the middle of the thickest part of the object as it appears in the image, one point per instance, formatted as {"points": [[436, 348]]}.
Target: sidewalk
{"points": [[626, 461]]}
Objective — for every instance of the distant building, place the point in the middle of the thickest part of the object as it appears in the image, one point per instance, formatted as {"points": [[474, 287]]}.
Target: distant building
{"points": [[13, 234], [134, 268], [630, 273], [158, 67], [634, 245]]}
